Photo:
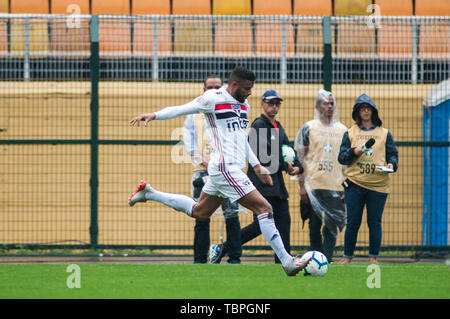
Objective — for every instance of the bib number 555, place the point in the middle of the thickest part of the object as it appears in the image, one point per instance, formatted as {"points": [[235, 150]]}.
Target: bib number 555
{"points": [[326, 166]]}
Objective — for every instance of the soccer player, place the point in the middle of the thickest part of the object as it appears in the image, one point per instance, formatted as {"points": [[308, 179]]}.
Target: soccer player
{"points": [[198, 148], [226, 125], [267, 136]]}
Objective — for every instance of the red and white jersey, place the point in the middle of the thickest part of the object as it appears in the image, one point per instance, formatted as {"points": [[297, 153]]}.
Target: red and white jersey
{"points": [[226, 127]]}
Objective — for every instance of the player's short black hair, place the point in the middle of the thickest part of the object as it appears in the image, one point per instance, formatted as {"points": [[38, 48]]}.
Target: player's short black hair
{"points": [[240, 73]]}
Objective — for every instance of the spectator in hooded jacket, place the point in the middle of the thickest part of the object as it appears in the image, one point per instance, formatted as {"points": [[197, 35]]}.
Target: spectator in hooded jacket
{"points": [[367, 181]]}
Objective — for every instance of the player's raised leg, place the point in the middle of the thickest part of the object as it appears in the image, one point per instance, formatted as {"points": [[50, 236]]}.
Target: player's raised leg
{"points": [[178, 202], [202, 209], [255, 202], [206, 206]]}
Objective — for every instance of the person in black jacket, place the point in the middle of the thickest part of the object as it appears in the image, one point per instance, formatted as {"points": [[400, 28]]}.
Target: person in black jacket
{"points": [[266, 138]]}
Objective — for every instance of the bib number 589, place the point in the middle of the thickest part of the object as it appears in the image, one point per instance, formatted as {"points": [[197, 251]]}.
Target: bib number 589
{"points": [[366, 168]]}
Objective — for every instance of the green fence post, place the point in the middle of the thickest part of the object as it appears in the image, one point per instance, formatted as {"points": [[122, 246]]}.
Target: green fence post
{"points": [[95, 74], [327, 61]]}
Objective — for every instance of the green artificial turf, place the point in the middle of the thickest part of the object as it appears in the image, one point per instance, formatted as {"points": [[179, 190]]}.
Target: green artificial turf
{"points": [[245, 281]]}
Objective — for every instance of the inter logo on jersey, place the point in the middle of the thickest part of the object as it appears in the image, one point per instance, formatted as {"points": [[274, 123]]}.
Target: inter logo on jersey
{"points": [[237, 123]]}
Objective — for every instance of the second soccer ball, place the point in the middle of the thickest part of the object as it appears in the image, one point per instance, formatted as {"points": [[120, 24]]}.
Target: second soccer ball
{"points": [[288, 153]]}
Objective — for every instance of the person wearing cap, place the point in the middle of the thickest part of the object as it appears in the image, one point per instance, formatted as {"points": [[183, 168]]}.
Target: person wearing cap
{"points": [[321, 193], [367, 178], [266, 137]]}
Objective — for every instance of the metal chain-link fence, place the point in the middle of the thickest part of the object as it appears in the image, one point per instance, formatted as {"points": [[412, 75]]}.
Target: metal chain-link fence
{"points": [[69, 86]]}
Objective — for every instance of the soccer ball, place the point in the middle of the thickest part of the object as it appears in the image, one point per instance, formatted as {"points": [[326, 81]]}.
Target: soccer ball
{"points": [[318, 266], [288, 153]]}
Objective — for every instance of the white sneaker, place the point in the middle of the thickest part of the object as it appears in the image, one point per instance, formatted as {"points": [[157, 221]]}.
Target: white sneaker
{"points": [[297, 264], [139, 194], [214, 254]]}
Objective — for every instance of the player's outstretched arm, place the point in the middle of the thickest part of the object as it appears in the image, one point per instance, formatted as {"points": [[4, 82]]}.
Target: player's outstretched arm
{"points": [[199, 105], [147, 117]]}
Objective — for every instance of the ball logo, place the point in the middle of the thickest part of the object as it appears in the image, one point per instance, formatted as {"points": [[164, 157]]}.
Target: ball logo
{"points": [[368, 152]]}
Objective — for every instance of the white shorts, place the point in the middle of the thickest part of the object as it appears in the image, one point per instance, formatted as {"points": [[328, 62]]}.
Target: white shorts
{"points": [[230, 184]]}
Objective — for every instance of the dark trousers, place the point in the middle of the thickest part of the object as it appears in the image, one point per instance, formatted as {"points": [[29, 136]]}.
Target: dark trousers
{"points": [[356, 198], [327, 245], [326, 219], [282, 220], [202, 239]]}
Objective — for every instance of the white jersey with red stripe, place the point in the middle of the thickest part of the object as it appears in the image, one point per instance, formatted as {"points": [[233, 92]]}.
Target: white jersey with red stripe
{"points": [[226, 127]]}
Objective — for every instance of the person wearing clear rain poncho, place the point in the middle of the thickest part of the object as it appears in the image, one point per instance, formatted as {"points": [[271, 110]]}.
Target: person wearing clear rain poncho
{"points": [[321, 192]]}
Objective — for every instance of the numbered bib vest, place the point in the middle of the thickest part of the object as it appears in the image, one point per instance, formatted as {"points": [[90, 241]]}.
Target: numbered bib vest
{"points": [[363, 171], [323, 170], [201, 139]]}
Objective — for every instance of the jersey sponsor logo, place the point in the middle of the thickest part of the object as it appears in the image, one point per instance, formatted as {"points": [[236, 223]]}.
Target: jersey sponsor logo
{"points": [[237, 123]]}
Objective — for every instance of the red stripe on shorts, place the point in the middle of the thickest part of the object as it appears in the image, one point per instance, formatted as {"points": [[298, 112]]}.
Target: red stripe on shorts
{"points": [[233, 183]]}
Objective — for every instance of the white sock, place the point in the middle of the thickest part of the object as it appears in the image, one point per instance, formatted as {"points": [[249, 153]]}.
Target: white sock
{"points": [[175, 201], [271, 234]]}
